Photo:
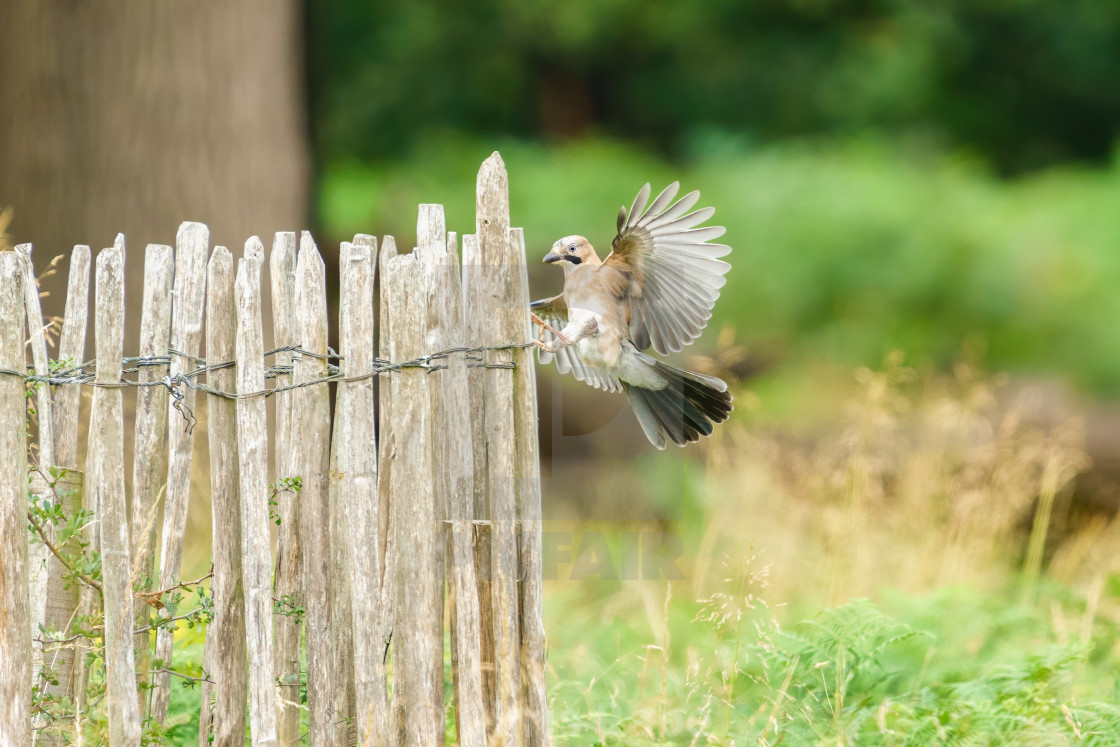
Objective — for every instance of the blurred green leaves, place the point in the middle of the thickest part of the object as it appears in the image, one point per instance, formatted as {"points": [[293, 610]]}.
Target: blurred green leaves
{"points": [[1023, 83]]}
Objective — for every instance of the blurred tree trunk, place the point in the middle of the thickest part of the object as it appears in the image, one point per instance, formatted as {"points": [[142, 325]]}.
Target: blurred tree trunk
{"points": [[132, 115]]}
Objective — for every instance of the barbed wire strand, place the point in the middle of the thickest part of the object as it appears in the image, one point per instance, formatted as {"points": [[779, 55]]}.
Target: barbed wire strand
{"points": [[81, 375]]}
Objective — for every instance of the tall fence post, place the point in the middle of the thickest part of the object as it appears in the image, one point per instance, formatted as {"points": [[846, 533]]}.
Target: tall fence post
{"points": [[417, 707], [38, 565], [534, 645], [358, 463], [15, 623], [106, 487], [311, 431], [491, 301], [192, 245], [252, 454], [454, 466], [151, 433], [225, 639], [288, 581]]}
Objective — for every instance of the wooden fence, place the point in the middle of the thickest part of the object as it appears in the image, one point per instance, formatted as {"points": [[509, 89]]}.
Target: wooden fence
{"points": [[418, 494]]}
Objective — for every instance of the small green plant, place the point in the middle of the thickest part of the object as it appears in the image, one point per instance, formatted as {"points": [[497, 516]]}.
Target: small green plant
{"points": [[284, 485]]}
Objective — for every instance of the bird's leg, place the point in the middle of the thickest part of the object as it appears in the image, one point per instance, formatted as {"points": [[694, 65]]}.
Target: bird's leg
{"points": [[539, 342], [572, 334]]}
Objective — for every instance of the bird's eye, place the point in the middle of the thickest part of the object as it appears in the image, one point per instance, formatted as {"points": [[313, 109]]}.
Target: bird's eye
{"points": [[572, 248]]}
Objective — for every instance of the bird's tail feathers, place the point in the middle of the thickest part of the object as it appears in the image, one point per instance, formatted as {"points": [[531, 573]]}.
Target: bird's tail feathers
{"points": [[684, 410]]}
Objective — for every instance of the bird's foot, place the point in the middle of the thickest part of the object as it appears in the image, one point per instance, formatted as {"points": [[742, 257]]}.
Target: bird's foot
{"points": [[546, 326]]}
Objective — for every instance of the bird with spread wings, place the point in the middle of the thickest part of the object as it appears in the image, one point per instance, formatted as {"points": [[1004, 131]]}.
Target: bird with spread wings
{"points": [[656, 288]]}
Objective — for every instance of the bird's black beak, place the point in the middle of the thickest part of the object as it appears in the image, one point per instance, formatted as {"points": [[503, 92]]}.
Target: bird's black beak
{"points": [[553, 257]]}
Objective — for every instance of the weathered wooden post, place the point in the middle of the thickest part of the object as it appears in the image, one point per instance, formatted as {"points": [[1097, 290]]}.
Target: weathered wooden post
{"points": [[38, 552], [417, 706], [288, 581], [225, 639], [454, 465], [311, 437], [15, 623], [358, 489], [533, 643], [192, 245], [105, 486], [252, 453], [490, 299]]}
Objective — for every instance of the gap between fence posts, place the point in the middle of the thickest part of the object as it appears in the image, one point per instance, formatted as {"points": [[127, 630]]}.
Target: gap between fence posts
{"points": [[150, 441], [15, 623]]}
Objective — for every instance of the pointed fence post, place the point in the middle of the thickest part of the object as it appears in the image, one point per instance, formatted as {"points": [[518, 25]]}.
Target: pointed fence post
{"points": [[225, 639], [454, 466], [311, 432], [492, 301], [358, 463], [192, 247], [15, 623], [38, 565], [106, 486], [252, 454], [288, 581]]}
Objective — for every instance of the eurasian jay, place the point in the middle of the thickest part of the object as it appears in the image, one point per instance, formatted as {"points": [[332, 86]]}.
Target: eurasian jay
{"points": [[657, 287]]}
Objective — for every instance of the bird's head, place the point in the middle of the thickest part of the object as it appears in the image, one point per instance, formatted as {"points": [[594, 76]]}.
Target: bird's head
{"points": [[571, 252]]}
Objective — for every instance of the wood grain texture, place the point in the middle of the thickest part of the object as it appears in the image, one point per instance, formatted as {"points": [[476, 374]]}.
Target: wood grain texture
{"points": [[105, 473], [454, 466], [225, 638], [384, 417], [256, 551], [192, 246], [311, 431], [44, 442], [474, 327], [342, 624], [38, 341], [417, 707], [15, 613], [288, 579], [151, 436], [357, 449], [72, 347], [534, 645], [491, 301]]}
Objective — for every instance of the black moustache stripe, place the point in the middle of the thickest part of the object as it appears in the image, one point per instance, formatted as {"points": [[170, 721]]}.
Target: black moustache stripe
{"points": [[572, 259]]}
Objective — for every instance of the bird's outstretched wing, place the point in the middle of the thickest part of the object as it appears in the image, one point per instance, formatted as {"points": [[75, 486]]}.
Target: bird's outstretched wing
{"points": [[555, 311], [674, 271]]}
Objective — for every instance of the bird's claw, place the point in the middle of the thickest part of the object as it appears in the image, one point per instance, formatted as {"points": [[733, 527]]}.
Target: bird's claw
{"points": [[546, 326]]}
